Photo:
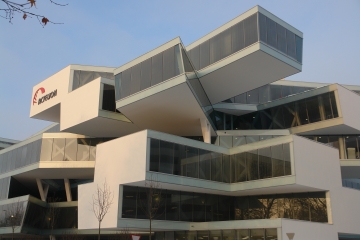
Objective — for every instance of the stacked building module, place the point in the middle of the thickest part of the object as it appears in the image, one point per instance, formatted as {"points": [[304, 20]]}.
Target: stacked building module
{"points": [[238, 152]]}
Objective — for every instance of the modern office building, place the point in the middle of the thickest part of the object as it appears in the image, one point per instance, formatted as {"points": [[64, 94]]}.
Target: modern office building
{"points": [[238, 152]]}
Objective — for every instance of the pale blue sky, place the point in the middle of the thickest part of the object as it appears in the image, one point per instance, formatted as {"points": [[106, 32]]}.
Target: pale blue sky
{"points": [[111, 33]]}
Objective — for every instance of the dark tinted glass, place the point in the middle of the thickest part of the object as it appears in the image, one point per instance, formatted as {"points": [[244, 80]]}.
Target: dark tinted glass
{"points": [[265, 166], [204, 164], [271, 32], [166, 157], [238, 38], [145, 74], [154, 155], [199, 206], [172, 199], [129, 202], [186, 206], [195, 57], [299, 46], [250, 29], [252, 165]]}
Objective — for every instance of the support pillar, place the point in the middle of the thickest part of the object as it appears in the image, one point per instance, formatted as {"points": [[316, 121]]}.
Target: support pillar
{"points": [[205, 129], [67, 189], [43, 191]]}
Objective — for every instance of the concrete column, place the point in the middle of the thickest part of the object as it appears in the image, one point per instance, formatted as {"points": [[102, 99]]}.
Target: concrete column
{"points": [[342, 148], [67, 189], [205, 129], [43, 192]]}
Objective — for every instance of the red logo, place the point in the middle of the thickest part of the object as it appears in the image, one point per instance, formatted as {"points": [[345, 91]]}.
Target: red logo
{"points": [[35, 95]]}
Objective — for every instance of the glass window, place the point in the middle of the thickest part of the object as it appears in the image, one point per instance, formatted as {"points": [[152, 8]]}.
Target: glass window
{"points": [[264, 94], [226, 168], [204, 164], [290, 44], [135, 79], [225, 42], [180, 235], [299, 46], [216, 167], [46, 149], [318, 209], [154, 155], [252, 97], [238, 141], [204, 54], [271, 32], [237, 35], [180, 160], [240, 167], [70, 149], [203, 235], [252, 139], [145, 81], [265, 166], [199, 204], [172, 199], [275, 91], [169, 63], [271, 234], [166, 157], [240, 98], [242, 234], [351, 146], [117, 86], [262, 26], [301, 110], [228, 234], [287, 158], [125, 84], [195, 56], [281, 38], [226, 141], [257, 234], [277, 117], [192, 166], [156, 69], [216, 234], [312, 106], [286, 90], [58, 149], [252, 165], [129, 202], [250, 30], [278, 165], [333, 105], [186, 206], [215, 50]]}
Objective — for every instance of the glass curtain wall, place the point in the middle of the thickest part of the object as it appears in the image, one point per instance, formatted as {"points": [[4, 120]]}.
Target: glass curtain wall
{"points": [[266, 93], [233, 39], [150, 72], [11, 211], [20, 157], [70, 149], [37, 217], [4, 187], [292, 114], [176, 159], [351, 144], [244, 34], [83, 77], [199, 207], [280, 38], [235, 141], [233, 234]]}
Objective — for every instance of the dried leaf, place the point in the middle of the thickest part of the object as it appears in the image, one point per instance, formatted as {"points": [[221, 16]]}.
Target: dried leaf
{"points": [[25, 16], [32, 3], [44, 20]]}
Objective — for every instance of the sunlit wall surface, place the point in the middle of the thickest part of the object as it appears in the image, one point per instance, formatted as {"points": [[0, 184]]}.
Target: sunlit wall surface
{"points": [[83, 77], [198, 207], [239, 234], [244, 34], [172, 158], [293, 114], [150, 72]]}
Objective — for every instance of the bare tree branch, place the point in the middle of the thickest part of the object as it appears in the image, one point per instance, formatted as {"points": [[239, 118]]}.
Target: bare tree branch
{"points": [[24, 8], [102, 200]]}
